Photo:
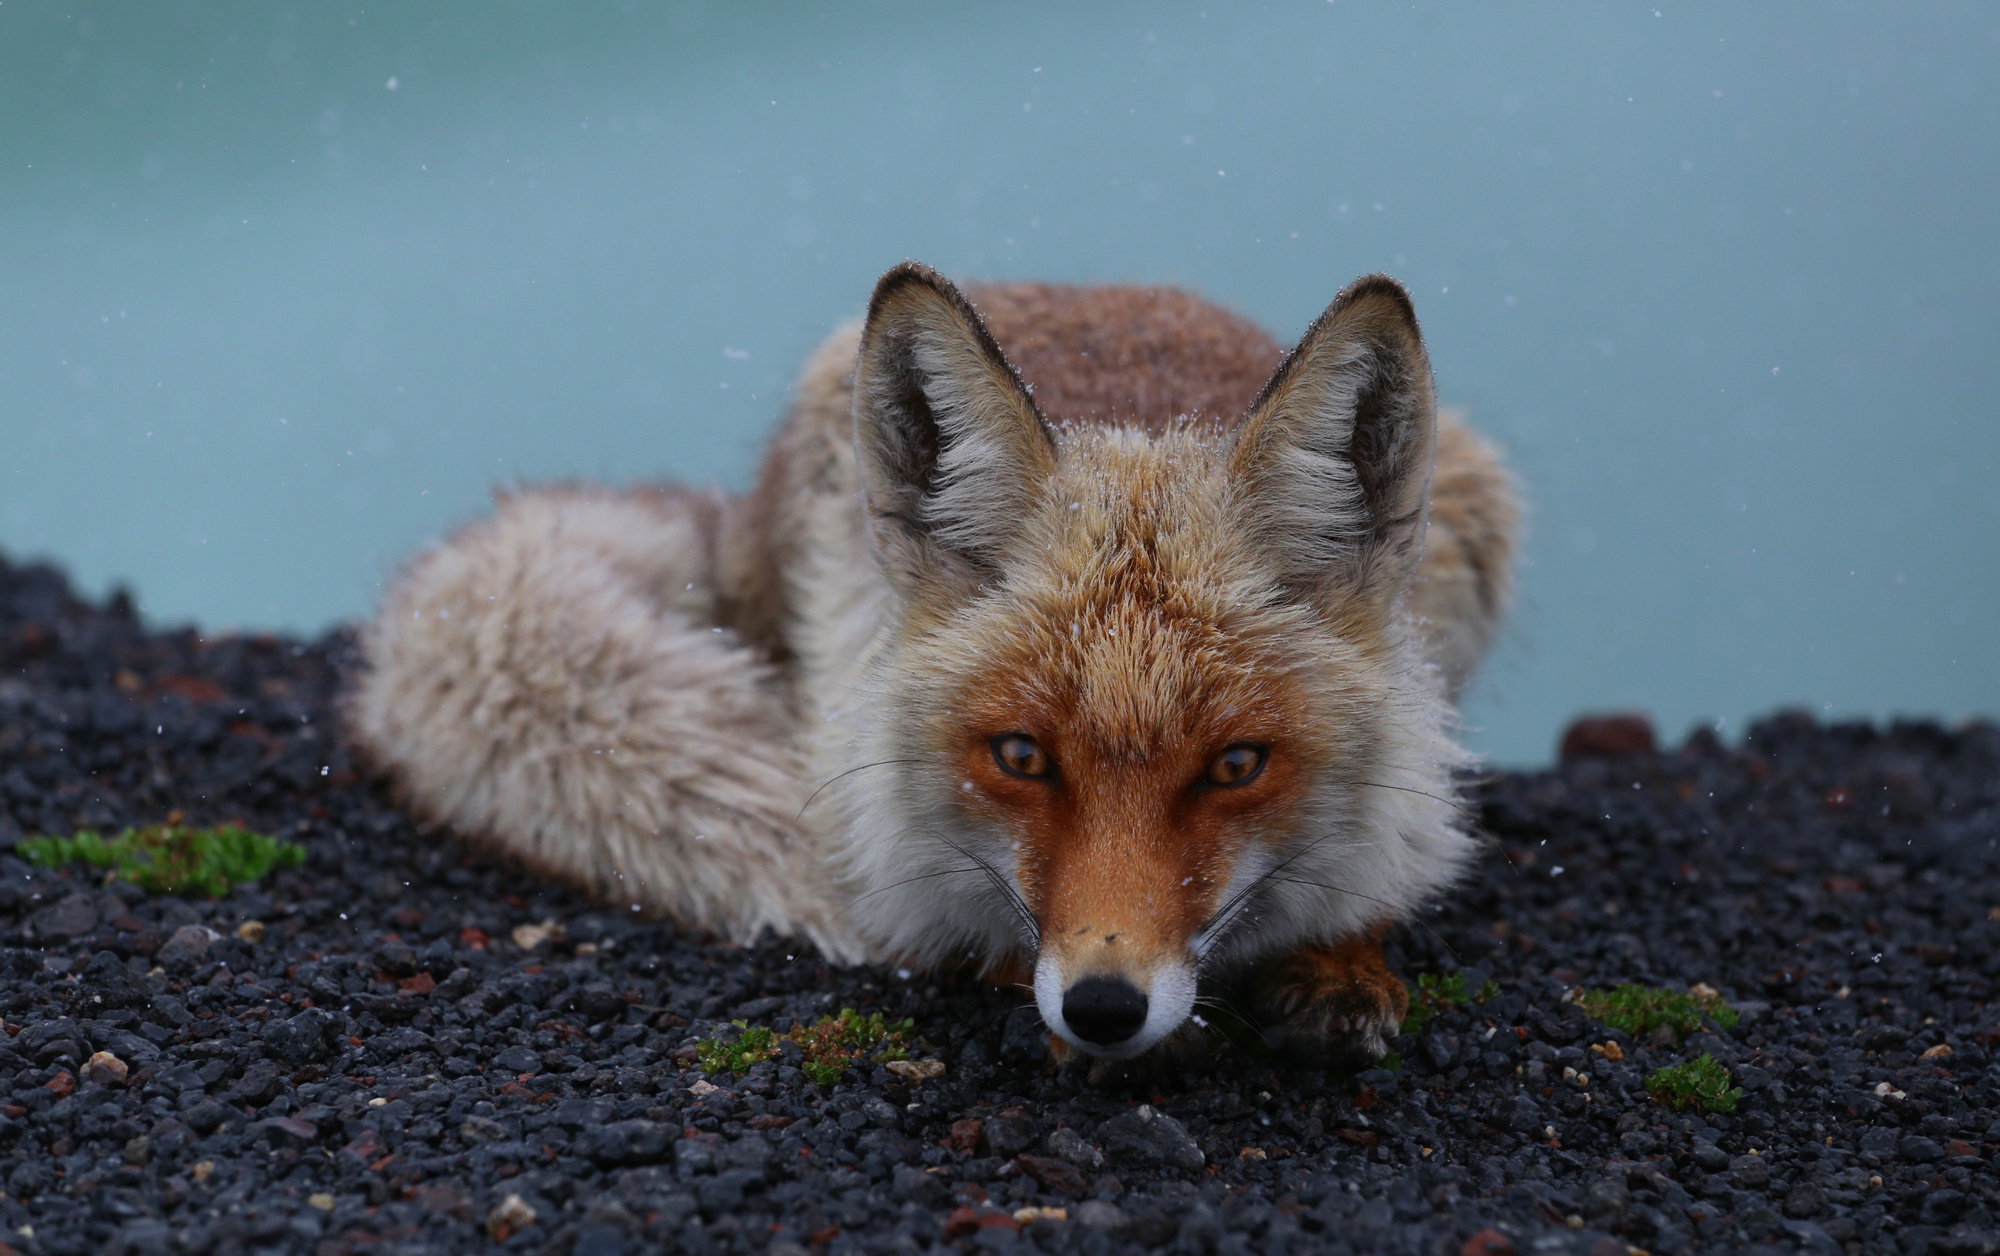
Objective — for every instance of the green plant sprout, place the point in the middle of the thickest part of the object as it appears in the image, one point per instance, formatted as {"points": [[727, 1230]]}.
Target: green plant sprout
{"points": [[1638, 1010], [169, 858], [1432, 994], [1699, 1082], [828, 1046]]}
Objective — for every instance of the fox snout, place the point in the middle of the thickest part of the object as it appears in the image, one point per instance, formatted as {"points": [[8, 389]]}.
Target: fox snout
{"points": [[1115, 968], [1113, 1011]]}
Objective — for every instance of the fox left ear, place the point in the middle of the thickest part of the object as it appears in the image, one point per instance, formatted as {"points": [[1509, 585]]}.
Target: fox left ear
{"points": [[1334, 462], [951, 447]]}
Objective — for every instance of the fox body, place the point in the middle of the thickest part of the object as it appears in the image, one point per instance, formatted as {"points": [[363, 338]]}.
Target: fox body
{"points": [[1078, 632]]}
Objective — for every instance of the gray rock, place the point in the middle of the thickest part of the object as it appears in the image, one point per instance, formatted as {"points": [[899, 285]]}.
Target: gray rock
{"points": [[1066, 1144], [1920, 1150], [1147, 1136], [1880, 1140], [52, 1041], [1804, 1200], [66, 918], [112, 985], [1941, 1208], [882, 1113], [1096, 1214], [168, 1010], [694, 1155], [625, 1142], [1605, 1202], [1750, 1173], [910, 1184], [1966, 1240], [1008, 1134], [1815, 1241], [576, 1114], [304, 1039], [482, 1129], [185, 949], [1024, 1037], [204, 1116]]}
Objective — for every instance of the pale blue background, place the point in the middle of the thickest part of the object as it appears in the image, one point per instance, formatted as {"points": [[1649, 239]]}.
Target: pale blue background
{"points": [[284, 288]]}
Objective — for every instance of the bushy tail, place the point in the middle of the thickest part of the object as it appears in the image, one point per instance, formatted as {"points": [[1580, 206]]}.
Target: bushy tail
{"points": [[548, 681]]}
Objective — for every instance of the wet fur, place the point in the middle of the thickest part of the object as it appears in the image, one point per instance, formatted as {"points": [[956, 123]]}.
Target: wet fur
{"points": [[1122, 512]]}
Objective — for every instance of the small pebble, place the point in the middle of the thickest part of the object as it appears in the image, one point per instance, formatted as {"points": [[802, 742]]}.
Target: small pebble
{"points": [[105, 1069], [509, 1217]]}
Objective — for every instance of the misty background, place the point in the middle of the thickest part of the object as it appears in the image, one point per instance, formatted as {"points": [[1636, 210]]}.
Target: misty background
{"points": [[284, 289]]}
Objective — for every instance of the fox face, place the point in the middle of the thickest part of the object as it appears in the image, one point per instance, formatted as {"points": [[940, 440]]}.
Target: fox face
{"points": [[1147, 705]]}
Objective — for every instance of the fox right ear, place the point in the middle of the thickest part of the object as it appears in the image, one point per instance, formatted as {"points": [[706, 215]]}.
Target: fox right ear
{"points": [[1334, 461], [950, 445]]}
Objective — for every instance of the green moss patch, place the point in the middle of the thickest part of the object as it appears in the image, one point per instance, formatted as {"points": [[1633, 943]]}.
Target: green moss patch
{"points": [[170, 858], [1433, 993], [1697, 1083], [1639, 1010], [828, 1047]]}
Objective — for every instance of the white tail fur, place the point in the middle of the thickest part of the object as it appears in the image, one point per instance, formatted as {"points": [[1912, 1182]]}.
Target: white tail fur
{"points": [[548, 680]]}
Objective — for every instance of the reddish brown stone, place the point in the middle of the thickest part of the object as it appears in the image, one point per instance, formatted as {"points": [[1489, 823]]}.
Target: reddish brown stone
{"points": [[1608, 737], [1488, 1242]]}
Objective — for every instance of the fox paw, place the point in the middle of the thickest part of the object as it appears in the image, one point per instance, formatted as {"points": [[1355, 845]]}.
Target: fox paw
{"points": [[1339, 1003]]}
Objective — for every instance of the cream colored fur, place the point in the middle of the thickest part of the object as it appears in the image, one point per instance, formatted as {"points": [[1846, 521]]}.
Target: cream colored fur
{"points": [[549, 679], [638, 692]]}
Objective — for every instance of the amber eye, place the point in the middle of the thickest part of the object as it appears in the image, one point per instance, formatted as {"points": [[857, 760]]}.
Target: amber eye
{"points": [[1236, 765], [1020, 754]]}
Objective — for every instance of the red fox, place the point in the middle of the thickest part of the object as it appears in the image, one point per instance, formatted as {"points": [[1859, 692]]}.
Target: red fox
{"points": [[1080, 633]]}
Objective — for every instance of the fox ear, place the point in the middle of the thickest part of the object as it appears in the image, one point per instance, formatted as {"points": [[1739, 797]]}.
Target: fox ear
{"points": [[1334, 462], [950, 445]]}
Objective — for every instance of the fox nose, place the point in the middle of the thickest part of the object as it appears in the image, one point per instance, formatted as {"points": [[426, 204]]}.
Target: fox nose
{"points": [[1104, 1010]]}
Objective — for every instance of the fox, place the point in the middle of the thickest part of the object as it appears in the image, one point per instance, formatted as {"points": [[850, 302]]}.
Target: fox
{"points": [[1079, 635]]}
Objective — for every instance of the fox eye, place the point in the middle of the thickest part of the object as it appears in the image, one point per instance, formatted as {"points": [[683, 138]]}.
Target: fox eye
{"points": [[1021, 755], [1236, 765]]}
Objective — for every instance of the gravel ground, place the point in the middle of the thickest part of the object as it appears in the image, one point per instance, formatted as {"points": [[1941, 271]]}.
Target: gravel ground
{"points": [[378, 1064]]}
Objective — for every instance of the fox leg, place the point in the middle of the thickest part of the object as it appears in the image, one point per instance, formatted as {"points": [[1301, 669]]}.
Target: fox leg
{"points": [[1336, 1000]]}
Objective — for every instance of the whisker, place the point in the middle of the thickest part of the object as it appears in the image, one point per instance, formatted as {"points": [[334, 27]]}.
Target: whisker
{"points": [[944, 872], [844, 775], [1340, 889], [1454, 803], [1225, 916], [1009, 895]]}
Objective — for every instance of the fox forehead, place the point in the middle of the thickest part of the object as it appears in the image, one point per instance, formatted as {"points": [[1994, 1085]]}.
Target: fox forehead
{"points": [[1132, 617]]}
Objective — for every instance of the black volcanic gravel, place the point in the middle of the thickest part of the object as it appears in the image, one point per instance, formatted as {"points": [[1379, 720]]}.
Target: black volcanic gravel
{"points": [[382, 1065]]}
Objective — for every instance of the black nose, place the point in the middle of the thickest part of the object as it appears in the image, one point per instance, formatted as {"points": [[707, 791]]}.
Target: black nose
{"points": [[1104, 1010]]}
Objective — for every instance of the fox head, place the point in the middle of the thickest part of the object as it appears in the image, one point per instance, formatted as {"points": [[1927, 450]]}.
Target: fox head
{"points": [[1147, 705]]}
